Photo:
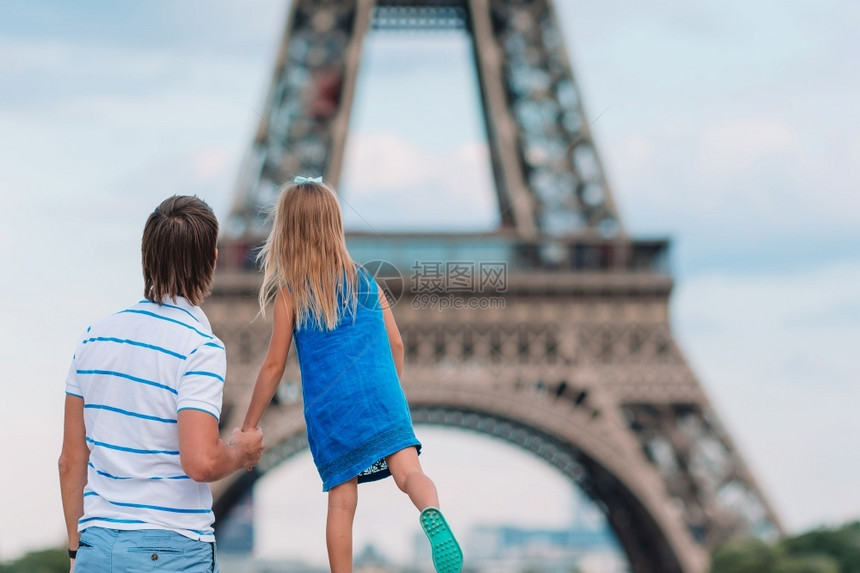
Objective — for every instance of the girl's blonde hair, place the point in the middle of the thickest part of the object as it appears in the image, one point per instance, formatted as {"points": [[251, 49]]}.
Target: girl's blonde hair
{"points": [[306, 253]]}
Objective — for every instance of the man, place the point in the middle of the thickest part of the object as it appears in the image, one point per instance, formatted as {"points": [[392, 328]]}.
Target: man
{"points": [[143, 400]]}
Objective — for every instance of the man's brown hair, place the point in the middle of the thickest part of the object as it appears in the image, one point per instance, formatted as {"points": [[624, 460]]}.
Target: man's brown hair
{"points": [[178, 250]]}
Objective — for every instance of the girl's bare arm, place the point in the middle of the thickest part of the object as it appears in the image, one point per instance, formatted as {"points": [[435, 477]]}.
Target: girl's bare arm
{"points": [[275, 361], [394, 338]]}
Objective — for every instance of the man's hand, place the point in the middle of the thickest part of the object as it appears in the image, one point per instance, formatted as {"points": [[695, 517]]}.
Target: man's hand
{"points": [[205, 456], [250, 442]]}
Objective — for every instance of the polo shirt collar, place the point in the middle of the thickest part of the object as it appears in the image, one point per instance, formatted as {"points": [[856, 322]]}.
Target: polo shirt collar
{"points": [[195, 311]]}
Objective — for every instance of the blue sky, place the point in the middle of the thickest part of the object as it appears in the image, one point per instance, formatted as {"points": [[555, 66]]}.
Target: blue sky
{"points": [[730, 127]]}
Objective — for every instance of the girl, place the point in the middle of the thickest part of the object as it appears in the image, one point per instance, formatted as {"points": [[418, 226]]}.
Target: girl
{"points": [[351, 358]]}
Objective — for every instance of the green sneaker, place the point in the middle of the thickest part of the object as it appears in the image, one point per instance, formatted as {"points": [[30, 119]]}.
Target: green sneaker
{"points": [[447, 555]]}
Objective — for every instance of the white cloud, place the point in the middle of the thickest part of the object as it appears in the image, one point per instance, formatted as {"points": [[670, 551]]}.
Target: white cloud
{"points": [[421, 86], [36, 56], [6, 232], [638, 149], [390, 182], [210, 162], [719, 129], [742, 142], [100, 124], [737, 179]]}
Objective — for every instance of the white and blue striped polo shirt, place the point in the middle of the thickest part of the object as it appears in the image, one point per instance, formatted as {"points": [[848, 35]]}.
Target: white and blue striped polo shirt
{"points": [[135, 370]]}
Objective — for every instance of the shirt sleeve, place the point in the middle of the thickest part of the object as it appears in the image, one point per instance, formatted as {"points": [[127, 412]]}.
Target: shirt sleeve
{"points": [[73, 388], [202, 384]]}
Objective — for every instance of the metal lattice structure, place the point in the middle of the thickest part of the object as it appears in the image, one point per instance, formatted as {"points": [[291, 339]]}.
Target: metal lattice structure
{"points": [[572, 357], [548, 175]]}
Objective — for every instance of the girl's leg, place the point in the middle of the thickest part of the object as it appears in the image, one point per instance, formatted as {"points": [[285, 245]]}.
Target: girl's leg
{"points": [[342, 501], [407, 473]]}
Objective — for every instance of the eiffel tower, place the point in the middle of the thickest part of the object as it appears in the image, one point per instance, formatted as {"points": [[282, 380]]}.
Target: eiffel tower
{"points": [[577, 364]]}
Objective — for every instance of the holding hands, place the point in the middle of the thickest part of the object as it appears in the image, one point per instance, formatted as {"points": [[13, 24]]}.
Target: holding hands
{"points": [[250, 443]]}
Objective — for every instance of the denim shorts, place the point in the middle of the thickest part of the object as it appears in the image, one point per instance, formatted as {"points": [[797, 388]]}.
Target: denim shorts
{"points": [[104, 550]]}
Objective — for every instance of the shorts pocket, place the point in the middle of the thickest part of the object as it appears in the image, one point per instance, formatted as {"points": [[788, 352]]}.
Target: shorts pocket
{"points": [[89, 538], [93, 551], [169, 555], [165, 550]]}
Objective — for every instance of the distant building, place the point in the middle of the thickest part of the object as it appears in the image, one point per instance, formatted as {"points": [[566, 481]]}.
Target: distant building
{"points": [[368, 560], [371, 560], [510, 549], [232, 563]]}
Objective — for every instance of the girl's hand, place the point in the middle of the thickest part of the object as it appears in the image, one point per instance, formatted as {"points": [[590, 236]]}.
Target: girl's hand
{"points": [[250, 444]]}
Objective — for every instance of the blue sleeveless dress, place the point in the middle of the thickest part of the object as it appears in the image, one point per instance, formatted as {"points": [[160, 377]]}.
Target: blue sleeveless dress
{"points": [[355, 410]]}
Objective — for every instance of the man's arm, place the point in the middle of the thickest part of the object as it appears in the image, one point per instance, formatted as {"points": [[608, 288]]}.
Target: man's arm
{"points": [[73, 466], [205, 457]]}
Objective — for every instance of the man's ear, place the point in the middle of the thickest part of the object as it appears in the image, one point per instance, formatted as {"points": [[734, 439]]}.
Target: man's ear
{"points": [[216, 254]]}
